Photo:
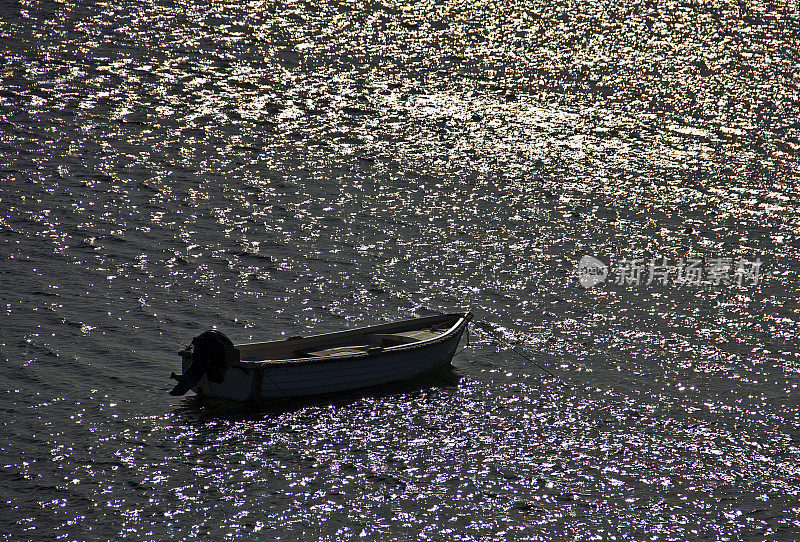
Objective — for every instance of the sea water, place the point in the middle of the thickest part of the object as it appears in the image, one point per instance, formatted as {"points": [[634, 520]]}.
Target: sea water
{"points": [[612, 189]]}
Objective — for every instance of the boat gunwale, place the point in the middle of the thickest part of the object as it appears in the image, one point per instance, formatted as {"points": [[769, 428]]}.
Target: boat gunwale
{"points": [[457, 328]]}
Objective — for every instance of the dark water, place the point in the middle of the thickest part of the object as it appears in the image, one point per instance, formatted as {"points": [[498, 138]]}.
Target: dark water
{"points": [[279, 167]]}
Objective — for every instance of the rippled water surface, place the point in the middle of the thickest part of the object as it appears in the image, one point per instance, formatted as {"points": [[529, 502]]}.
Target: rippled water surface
{"points": [[281, 167]]}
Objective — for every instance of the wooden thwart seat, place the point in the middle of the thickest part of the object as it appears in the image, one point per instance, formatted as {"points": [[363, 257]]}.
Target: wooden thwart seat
{"points": [[337, 351], [376, 341], [405, 337]]}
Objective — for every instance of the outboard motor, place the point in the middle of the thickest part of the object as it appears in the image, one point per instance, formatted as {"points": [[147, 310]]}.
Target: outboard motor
{"points": [[211, 354]]}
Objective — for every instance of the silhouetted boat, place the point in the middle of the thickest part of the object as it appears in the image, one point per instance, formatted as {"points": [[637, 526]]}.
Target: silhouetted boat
{"points": [[214, 367]]}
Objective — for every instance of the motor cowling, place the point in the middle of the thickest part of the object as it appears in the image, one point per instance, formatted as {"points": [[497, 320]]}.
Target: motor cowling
{"points": [[211, 354]]}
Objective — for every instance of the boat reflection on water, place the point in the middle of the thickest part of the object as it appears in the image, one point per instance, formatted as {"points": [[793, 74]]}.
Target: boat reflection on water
{"points": [[198, 409]]}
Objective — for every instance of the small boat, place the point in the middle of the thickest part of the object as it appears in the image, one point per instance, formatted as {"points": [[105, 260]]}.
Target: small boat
{"points": [[332, 362]]}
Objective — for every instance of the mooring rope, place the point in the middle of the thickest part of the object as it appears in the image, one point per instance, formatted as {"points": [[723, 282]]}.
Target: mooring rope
{"points": [[466, 345], [513, 347]]}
